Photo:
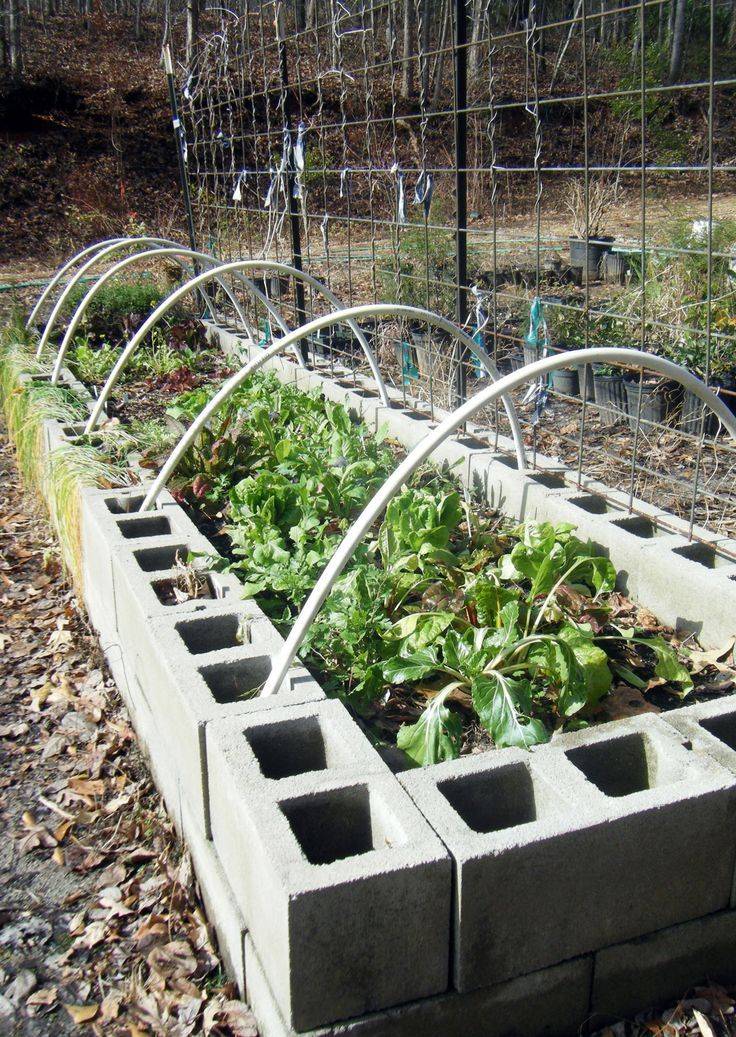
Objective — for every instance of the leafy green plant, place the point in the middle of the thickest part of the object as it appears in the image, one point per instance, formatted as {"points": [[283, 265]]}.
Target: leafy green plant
{"points": [[90, 364], [119, 307]]}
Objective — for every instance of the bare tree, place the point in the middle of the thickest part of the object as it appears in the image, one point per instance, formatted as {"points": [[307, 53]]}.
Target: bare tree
{"points": [[678, 41], [192, 31], [15, 48], [407, 70]]}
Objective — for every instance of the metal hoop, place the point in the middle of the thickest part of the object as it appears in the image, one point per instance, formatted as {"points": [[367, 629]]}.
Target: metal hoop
{"points": [[63, 269], [173, 253], [293, 337], [422, 451], [74, 280], [344, 316]]}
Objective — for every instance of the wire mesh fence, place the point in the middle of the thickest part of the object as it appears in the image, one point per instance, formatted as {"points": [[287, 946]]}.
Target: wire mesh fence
{"points": [[550, 174]]}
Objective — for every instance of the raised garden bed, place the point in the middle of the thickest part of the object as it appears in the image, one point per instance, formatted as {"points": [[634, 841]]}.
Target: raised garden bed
{"points": [[314, 839]]}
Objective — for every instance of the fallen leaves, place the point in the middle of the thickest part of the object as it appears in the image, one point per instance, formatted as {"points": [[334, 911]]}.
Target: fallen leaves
{"points": [[82, 1013], [105, 925]]}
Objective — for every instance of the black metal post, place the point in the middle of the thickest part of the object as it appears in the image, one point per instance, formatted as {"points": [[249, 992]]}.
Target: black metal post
{"points": [[296, 238], [461, 189], [176, 123]]}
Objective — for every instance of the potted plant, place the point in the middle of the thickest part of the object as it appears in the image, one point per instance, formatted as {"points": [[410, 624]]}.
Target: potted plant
{"points": [[589, 241], [689, 351], [648, 399], [567, 328]]}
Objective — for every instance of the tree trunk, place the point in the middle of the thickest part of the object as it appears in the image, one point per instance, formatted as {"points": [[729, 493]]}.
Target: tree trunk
{"points": [[425, 10], [407, 67], [678, 41], [137, 19], [440, 64], [192, 31], [311, 14], [662, 25], [477, 14], [15, 48], [300, 15]]}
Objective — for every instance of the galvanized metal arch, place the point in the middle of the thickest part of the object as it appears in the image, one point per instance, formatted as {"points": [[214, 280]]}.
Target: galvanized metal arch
{"points": [[423, 450], [160, 253], [291, 338], [86, 266], [343, 316], [63, 270]]}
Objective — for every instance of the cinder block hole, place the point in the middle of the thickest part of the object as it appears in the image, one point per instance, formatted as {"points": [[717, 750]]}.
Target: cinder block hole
{"points": [[294, 747], [153, 559], [210, 634], [640, 527], [548, 479], [124, 505], [146, 526], [166, 591], [592, 504], [723, 728], [340, 823], [508, 462], [240, 679], [493, 800], [622, 766], [416, 415], [704, 555]]}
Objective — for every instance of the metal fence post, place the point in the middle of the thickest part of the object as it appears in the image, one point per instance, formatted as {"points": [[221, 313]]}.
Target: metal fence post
{"points": [[178, 131], [296, 239], [460, 55]]}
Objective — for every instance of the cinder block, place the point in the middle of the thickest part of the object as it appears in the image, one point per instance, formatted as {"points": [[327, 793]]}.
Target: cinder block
{"points": [[691, 586], [646, 790], [161, 765], [550, 1003], [193, 669], [663, 966], [334, 875], [222, 911], [144, 571], [101, 532], [558, 852], [710, 727]]}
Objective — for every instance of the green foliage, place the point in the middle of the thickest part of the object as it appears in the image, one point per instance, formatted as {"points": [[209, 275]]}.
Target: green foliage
{"points": [[89, 364], [118, 307], [28, 400], [506, 631]]}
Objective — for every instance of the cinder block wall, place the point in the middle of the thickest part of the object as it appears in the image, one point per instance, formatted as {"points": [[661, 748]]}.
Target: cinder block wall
{"points": [[509, 892]]}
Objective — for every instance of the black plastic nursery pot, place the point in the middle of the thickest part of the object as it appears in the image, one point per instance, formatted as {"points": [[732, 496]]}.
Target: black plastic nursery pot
{"points": [[510, 360], [587, 255], [421, 341], [565, 381], [532, 353], [693, 408], [614, 267], [585, 380], [610, 395], [650, 400]]}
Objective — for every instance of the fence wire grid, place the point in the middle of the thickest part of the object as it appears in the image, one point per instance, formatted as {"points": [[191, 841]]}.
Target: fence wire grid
{"points": [[550, 174]]}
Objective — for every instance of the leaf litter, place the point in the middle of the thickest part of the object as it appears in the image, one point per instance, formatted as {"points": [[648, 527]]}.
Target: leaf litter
{"points": [[101, 927]]}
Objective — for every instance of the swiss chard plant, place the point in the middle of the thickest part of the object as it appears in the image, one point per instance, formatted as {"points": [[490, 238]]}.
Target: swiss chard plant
{"points": [[448, 628]]}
